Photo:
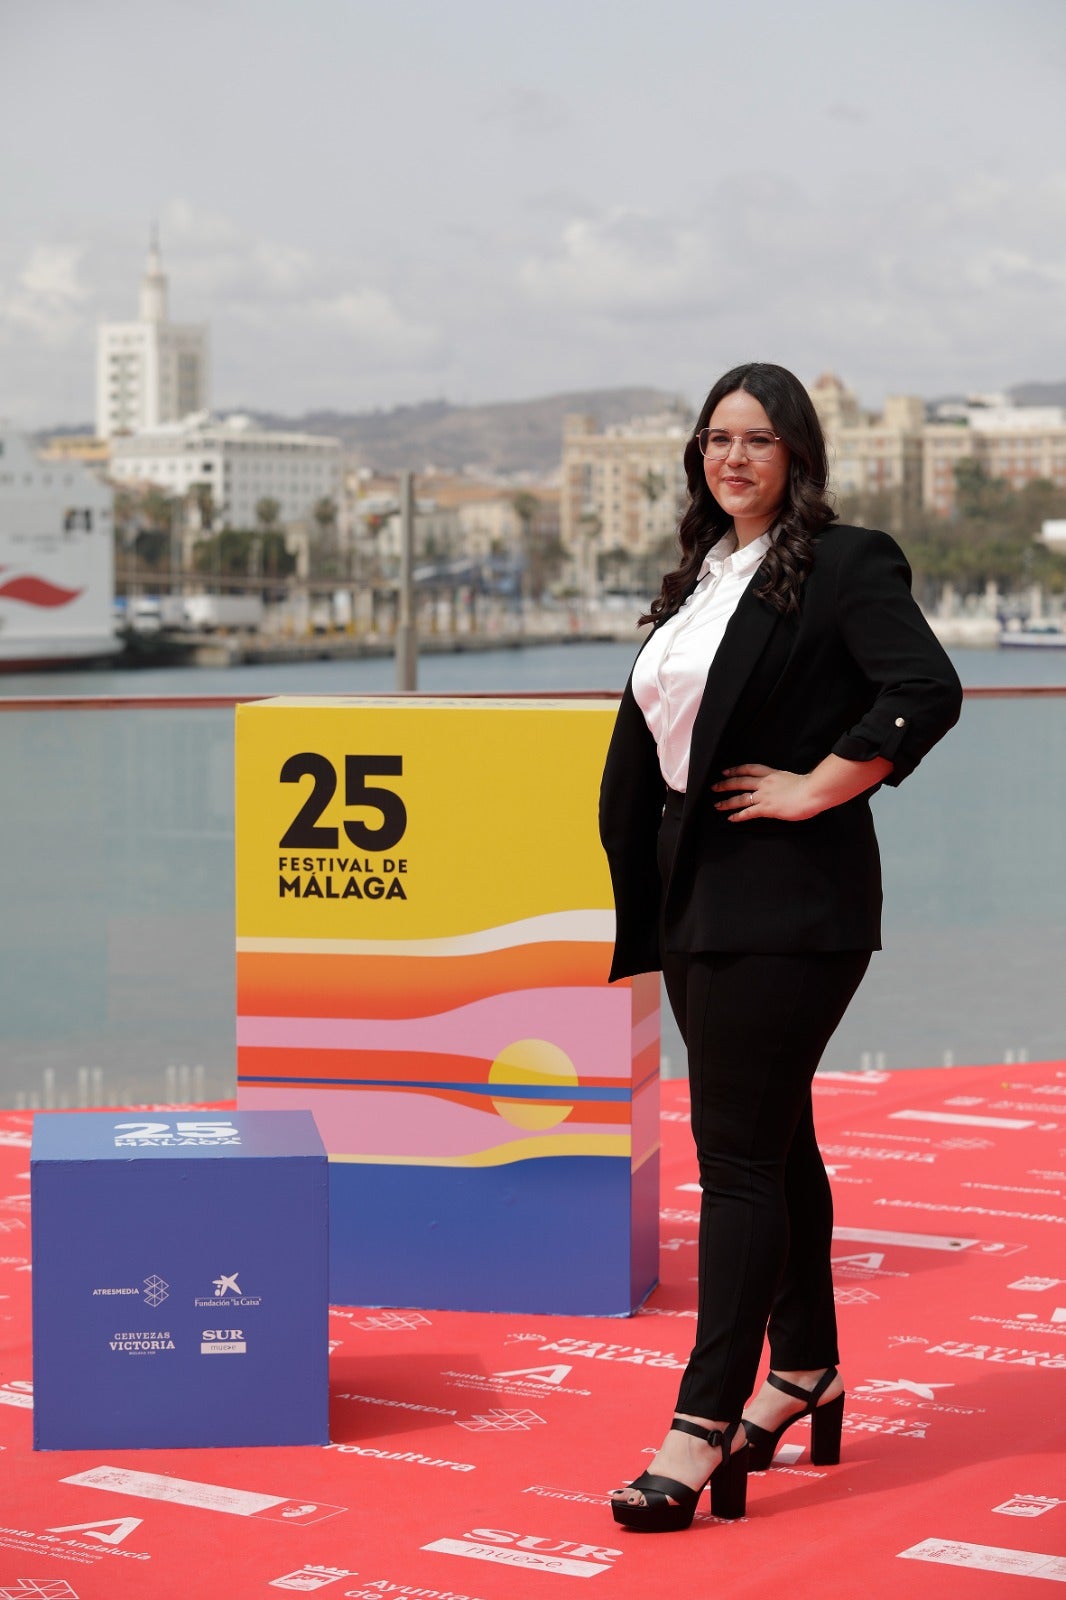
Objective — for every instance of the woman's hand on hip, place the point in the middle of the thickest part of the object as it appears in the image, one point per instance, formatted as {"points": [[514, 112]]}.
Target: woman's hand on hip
{"points": [[752, 791]]}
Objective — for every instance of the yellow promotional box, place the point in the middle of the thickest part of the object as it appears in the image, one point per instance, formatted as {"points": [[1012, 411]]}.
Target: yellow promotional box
{"points": [[424, 931]]}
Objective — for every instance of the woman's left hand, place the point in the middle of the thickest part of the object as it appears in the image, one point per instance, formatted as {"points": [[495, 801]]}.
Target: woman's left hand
{"points": [[756, 791]]}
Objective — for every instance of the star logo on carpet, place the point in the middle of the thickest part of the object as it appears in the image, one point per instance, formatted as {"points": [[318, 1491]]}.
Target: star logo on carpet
{"points": [[923, 1391]]}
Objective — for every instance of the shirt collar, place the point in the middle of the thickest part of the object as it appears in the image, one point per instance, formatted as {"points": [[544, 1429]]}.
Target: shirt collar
{"points": [[725, 557]]}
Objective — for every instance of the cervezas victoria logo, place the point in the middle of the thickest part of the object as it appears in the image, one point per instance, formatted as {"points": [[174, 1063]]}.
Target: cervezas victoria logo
{"points": [[529, 1550]]}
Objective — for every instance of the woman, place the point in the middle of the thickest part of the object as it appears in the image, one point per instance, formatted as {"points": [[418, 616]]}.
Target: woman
{"points": [[789, 673]]}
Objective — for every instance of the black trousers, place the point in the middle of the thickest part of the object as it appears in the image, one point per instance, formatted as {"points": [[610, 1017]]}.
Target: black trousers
{"points": [[755, 1027]]}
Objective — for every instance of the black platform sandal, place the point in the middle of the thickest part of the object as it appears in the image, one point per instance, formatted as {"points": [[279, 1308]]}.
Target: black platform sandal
{"points": [[826, 1424], [670, 1506]]}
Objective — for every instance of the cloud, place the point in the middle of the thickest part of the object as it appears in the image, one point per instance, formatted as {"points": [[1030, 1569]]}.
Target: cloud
{"points": [[528, 112], [622, 262], [48, 297], [920, 282]]}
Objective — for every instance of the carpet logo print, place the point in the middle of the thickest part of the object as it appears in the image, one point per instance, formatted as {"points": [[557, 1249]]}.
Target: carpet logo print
{"points": [[1028, 1321], [520, 1382], [311, 1577], [854, 1297], [531, 1551], [1028, 1505], [392, 1322], [630, 1355], [112, 1531], [1036, 1285], [1001, 1354], [298, 1513], [39, 1589], [882, 1386], [499, 1421], [17, 1392], [987, 1558]]}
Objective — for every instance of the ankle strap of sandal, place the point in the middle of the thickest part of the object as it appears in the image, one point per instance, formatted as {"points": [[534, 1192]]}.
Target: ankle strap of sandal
{"points": [[810, 1397], [717, 1438]]}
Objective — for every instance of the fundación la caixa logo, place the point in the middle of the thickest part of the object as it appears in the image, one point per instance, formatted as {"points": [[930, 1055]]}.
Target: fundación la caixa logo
{"points": [[227, 1290]]}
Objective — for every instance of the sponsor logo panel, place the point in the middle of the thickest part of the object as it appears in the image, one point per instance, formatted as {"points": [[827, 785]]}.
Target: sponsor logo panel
{"points": [[987, 1558], [531, 1551], [204, 1496]]}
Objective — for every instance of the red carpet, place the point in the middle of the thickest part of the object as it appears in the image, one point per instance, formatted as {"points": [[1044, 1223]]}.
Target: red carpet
{"points": [[471, 1454]]}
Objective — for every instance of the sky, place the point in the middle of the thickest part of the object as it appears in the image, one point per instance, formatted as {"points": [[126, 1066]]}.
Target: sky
{"points": [[378, 202]]}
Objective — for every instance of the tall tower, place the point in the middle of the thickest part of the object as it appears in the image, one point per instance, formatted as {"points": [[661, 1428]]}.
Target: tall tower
{"points": [[152, 370], [154, 283]]}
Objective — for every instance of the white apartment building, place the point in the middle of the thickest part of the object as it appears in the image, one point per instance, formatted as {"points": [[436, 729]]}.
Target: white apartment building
{"points": [[622, 489], [150, 371], [872, 455], [241, 463], [902, 454]]}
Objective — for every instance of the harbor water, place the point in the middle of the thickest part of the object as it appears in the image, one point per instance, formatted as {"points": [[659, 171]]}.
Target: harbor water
{"points": [[116, 948]]}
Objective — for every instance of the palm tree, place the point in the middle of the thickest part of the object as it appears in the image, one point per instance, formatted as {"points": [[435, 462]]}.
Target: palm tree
{"points": [[525, 506], [324, 513]]}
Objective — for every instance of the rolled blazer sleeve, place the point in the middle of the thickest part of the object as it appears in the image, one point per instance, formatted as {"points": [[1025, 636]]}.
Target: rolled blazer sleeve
{"points": [[918, 694]]}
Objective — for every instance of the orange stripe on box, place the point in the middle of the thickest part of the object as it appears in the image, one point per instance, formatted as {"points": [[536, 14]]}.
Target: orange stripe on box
{"points": [[316, 985]]}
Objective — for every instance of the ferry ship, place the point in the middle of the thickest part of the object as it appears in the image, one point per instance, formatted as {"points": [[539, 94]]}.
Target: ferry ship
{"points": [[56, 561]]}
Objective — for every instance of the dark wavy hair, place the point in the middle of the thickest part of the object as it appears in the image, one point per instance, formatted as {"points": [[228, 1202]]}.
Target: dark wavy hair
{"points": [[805, 512]]}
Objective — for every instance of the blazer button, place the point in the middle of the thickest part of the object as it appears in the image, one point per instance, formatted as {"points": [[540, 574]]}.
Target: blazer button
{"points": [[899, 722]]}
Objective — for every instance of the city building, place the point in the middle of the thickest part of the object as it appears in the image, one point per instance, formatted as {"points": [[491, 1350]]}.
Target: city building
{"points": [[240, 463], [868, 455], [150, 371], [903, 454], [622, 491]]}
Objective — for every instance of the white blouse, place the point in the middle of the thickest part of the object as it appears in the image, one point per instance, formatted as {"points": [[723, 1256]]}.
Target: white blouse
{"points": [[671, 670]]}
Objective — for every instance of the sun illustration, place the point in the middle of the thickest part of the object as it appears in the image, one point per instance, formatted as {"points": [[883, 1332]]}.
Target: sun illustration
{"points": [[538, 1063]]}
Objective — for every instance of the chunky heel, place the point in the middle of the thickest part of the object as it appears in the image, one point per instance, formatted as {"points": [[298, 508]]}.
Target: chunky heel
{"points": [[729, 1487], [826, 1423], [669, 1506]]}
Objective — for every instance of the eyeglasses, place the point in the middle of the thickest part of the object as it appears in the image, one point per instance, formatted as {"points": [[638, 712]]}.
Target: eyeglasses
{"points": [[758, 444]]}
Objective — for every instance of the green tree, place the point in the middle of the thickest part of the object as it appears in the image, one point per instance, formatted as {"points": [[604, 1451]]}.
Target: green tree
{"points": [[202, 498], [234, 552]]}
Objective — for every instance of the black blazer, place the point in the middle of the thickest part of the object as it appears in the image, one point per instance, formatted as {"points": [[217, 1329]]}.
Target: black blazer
{"points": [[858, 672]]}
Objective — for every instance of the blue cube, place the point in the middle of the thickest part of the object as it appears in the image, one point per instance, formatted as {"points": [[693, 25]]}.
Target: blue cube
{"points": [[180, 1279]]}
